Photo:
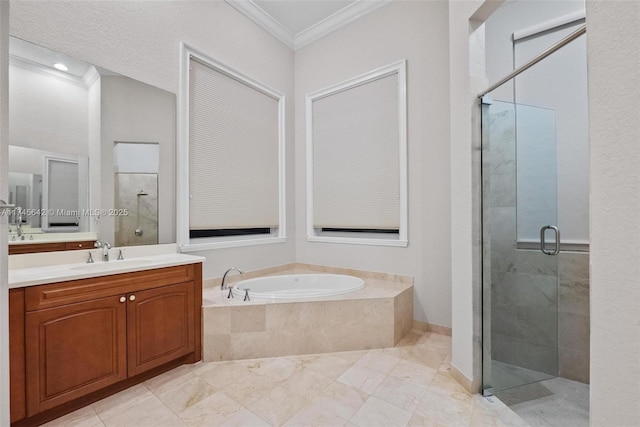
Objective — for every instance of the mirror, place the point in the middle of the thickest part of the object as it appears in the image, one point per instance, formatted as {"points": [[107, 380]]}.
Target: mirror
{"points": [[51, 191], [88, 150]]}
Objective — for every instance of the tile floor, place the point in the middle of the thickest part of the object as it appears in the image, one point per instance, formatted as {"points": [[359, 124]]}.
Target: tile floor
{"points": [[556, 402], [405, 385]]}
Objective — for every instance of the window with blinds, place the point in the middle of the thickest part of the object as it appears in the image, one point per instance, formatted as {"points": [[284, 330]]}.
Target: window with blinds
{"points": [[61, 194], [356, 148], [235, 150]]}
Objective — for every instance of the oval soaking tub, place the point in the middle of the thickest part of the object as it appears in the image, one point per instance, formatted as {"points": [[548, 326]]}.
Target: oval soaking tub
{"points": [[295, 286]]}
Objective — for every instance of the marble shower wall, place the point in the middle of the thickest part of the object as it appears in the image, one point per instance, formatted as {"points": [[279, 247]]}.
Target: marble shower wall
{"points": [[538, 303], [143, 209]]}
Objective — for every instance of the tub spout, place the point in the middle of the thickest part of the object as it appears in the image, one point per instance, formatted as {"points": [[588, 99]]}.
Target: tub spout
{"points": [[223, 285]]}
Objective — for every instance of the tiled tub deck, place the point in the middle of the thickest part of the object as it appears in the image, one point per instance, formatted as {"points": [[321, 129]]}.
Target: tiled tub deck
{"points": [[378, 316]]}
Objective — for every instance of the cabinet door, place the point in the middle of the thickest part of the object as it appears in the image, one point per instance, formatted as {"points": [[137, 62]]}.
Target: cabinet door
{"points": [[160, 326], [73, 350]]}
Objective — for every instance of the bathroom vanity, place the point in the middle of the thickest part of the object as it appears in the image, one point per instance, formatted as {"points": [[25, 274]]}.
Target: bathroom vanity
{"points": [[81, 332], [36, 247]]}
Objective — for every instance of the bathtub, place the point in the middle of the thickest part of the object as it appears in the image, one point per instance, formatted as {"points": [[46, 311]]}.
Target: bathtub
{"points": [[304, 309], [293, 286]]}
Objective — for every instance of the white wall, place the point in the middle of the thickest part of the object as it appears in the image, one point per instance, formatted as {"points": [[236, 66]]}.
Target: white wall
{"points": [[559, 82], [4, 180], [93, 142], [466, 59], [416, 31], [613, 43], [132, 111], [141, 40], [47, 112]]}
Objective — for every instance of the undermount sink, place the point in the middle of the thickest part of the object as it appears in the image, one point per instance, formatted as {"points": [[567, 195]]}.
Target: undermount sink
{"points": [[113, 265]]}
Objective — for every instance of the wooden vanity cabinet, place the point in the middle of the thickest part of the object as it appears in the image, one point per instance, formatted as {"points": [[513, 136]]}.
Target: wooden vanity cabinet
{"points": [[84, 336], [30, 248], [73, 350], [160, 326]]}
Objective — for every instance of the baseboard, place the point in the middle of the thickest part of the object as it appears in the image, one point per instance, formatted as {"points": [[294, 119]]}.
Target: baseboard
{"points": [[469, 384], [431, 327]]}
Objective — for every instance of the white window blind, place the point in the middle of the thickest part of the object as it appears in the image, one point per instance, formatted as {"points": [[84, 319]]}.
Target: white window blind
{"points": [[233, 152], [356, 157], [63, 195]]}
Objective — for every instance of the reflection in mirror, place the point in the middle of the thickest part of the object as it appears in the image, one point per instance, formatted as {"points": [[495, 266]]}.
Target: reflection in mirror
{"points": [[136, 168], [25, 192], [51, 191], [71, 121]]}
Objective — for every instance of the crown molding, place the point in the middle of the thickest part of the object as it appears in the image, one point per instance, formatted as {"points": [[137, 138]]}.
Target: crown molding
{"points": [[339, 19], [252, 11], [35, 67], [331, 23]]}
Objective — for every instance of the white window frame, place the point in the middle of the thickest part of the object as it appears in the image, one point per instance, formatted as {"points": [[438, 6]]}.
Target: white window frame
{"points": [[185, 243], [45, 196], [313, 235]]}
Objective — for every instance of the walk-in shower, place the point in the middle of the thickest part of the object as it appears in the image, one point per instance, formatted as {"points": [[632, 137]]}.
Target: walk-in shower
{"points": [[535, 327]]}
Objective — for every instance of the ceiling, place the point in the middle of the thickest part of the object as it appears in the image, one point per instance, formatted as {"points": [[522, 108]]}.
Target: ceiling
{"points": [[44, 57], [297, 23]]}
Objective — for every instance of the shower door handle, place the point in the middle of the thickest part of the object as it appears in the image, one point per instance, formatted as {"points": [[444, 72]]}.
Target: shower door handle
{"points": [[556, 231]]}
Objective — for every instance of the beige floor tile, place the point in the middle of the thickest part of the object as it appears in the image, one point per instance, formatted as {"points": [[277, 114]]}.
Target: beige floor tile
{"points": [[212, 411], [244, 418], [378, 361], [413, 372], [377, 412], [409, 340], [437, 408], [203, 367], [186, 394], [307, 383], [83, 417], [409, 384], [364, 379], [279, 368], [148, 413], [315, 415], [431, 339], [328, 365], [341, 399], [119, 402], [493, 413], [419, 421], [430, 357], [170, 379], [444, 384], [351, 356], [225, 374], [403, 394], [398, 352], [250, 387], [277, 406]]}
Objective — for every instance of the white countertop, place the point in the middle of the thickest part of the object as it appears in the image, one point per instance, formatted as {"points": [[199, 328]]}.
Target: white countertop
{"points": [[34, 238], [30, 272]]}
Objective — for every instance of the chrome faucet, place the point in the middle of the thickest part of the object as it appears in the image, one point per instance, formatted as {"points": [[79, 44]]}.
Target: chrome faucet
{"points": [[19, 231], [105, 248], [223, 285]]}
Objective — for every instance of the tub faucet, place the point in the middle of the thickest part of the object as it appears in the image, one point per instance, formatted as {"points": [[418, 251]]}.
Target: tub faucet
{"points": [[105, 248], [223, 285]]}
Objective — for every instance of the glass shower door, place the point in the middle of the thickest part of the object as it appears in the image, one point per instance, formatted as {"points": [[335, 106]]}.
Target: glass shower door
{"points": [[520, 239]]}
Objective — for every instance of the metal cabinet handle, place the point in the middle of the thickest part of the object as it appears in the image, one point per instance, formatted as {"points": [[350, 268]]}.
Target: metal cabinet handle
{"points": [[132, 298], [123, 299], [556, 231]]}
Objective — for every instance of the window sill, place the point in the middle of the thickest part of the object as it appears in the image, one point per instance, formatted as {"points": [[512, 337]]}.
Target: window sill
{"points": [[221, 244], [359, 241]]}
